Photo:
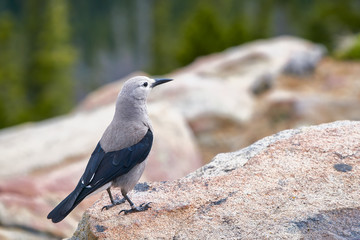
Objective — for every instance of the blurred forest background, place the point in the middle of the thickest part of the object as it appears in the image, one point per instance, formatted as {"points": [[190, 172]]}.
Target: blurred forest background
{"points": [[54, 52]]}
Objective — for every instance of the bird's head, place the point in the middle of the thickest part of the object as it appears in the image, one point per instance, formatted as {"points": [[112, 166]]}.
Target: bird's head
{"points": [[138, 88]]}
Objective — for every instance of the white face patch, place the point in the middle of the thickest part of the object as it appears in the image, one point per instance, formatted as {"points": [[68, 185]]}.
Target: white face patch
{"points": [[141, 91]]}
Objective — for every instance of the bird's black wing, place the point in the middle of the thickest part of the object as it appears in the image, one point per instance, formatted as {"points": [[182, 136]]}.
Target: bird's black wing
{"points": [[105, 167], [101, 169]]}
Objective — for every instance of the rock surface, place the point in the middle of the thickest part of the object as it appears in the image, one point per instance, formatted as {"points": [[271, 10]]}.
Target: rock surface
{"points": [[200, 88], [297, 184]]}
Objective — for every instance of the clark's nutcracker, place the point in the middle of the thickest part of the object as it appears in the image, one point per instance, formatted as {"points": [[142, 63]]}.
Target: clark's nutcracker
{"points": [[120, 156]]}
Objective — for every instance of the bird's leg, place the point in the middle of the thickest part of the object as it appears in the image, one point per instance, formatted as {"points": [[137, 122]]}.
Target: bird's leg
{"points": [[142, 207], [113, 202]]}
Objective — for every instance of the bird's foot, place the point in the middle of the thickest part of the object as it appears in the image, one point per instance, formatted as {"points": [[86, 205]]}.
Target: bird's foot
{"points": [[116, 202], [142, 207]]}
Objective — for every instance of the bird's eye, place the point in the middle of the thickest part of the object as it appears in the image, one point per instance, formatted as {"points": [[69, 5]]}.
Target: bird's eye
{"points": [[145, 84]]}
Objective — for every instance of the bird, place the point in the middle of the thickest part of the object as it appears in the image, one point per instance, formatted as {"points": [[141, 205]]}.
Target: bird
{"points": [[120, 156]]}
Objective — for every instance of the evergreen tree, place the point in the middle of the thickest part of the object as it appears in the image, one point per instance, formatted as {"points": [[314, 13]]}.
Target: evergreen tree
{"points": [[202, 34], [162, 39], [12, 92], [50, 58]]}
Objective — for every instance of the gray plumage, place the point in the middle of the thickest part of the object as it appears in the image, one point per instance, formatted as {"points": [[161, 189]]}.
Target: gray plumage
{"points": [[120, 156]]}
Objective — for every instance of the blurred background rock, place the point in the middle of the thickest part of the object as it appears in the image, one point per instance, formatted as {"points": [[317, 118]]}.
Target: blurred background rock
{"points": [[66, 60]]}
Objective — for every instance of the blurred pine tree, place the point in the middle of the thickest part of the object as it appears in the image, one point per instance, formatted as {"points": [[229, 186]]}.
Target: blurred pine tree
{"points": [[202, 34], [50, 57], [12, 92]]}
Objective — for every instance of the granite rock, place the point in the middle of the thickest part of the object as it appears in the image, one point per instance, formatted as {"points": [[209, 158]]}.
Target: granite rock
{"points": [[283, 187]]}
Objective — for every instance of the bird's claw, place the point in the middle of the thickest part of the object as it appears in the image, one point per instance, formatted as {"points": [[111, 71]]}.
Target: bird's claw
{"points": [[107, 207], [141, 208]]}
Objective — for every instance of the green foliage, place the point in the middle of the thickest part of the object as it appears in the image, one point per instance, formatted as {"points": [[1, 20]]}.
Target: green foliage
{"points": [[161, 42], [12, 97], [35, 63], [49, 60], [203, 34], [328, 20], [217, 26], [351, 52]]}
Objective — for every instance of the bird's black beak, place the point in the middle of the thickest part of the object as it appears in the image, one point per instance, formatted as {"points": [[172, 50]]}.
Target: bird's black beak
{"points": [[159, 81]]}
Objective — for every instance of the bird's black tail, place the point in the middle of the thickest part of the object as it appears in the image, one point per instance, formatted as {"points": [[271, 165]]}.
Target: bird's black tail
{"points": [[67, 205]]}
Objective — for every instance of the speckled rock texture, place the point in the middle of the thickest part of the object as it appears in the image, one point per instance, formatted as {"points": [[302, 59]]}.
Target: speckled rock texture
{"points": [[297, 184]]}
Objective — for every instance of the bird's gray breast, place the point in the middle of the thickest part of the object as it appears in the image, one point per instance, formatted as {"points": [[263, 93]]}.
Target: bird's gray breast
{"points": [[120, 135]]}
